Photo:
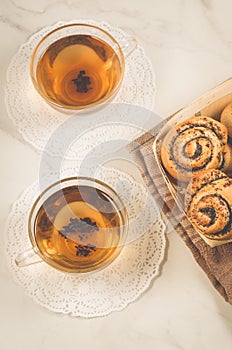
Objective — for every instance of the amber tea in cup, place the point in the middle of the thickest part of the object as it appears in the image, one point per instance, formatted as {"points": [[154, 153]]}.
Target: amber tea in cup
{"points": [[78, 70], [79, 227], [77, 66]]}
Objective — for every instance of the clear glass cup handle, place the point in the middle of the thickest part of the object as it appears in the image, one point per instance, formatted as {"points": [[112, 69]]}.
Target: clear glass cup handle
{"points": [[128, 45], [28, 257]]}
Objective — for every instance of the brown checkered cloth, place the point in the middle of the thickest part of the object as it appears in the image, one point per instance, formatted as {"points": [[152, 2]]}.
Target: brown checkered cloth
{"points": [[216, 262]]}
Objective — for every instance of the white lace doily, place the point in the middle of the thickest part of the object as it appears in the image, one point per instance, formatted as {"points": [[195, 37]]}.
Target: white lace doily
{"points": [[36, 120], [102, 292]]}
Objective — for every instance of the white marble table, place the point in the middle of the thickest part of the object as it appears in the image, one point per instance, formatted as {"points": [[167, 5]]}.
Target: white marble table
{"points": [[189, 43]]}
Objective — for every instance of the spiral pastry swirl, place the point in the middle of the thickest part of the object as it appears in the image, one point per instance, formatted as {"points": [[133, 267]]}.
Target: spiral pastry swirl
{"points": [[208, 203], [194, 145]]}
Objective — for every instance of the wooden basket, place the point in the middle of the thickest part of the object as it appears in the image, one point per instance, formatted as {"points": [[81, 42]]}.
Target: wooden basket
{"points": [[209, 104]]}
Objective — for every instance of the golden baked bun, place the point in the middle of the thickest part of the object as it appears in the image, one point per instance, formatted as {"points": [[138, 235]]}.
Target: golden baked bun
{"points": [[208, 205], [226, 118], [196, 144], [227, 162]]}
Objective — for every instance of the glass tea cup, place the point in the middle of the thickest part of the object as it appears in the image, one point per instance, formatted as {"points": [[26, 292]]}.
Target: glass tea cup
{"points": [[79, 66], [76, 225]]}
